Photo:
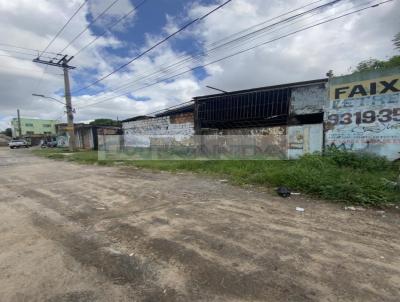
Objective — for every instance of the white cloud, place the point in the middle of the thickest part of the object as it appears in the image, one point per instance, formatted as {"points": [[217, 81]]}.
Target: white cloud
{"points": [[308, 55]]}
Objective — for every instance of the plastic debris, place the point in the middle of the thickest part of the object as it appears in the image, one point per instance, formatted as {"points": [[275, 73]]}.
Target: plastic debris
{"points": [[299, 209], [283, 192], [350, 209]]}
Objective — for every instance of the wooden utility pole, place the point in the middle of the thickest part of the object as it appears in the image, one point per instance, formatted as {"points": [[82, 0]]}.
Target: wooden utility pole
{"points": [[63, 63]]}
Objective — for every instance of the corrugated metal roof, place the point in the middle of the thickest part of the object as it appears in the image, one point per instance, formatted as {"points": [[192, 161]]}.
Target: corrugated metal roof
{"points": [[266, 88]]}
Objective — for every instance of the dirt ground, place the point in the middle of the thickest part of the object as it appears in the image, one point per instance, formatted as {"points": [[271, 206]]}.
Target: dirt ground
{"points": [[87, 233]]}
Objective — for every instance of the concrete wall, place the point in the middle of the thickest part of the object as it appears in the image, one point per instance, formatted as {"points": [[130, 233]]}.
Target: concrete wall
{"points": [[84, 138], [156, 131], [363, 113], [279, 142], [304, 139]]}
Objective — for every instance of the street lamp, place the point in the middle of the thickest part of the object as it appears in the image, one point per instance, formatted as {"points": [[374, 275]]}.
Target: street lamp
{"points": [[217, 89], [48, 97], [70, 117]]}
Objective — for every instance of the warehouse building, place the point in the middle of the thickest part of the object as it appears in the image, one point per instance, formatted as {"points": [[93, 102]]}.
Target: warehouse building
{"points": [[358, 112], [86, 136], [282, 121]]}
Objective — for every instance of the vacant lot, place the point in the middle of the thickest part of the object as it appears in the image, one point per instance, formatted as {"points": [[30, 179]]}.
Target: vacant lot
{"points": [[74, 232], [339, 176]]}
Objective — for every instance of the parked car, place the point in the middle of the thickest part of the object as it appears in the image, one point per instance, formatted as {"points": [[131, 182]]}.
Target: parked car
{"points": [[18, 143], [48, 144], [52, 144]]}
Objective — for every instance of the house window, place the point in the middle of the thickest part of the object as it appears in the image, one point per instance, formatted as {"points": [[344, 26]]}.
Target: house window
{"points": [[46, 126], [30, 132], [47, 133], [28, 125]]}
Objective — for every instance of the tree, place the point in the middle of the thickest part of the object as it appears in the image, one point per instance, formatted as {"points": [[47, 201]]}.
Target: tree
{"points": [[105, 122], [374, 64], [8, 132]]}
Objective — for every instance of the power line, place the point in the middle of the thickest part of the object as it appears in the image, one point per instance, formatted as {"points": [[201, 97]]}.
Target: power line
{"points": [[224, 45], [110, 27], [52, 100], [90, 24], [246, 50], [63, 27], [40, 81], [30, 49], [264, 22], [19, 58], [22, 69], [154, 46], [23, 53], [207, 52], [226, 38]]}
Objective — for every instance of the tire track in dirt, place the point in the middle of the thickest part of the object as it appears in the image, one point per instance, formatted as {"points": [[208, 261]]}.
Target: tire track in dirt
{"points": [[94, 251], [207, 277], [194, 239]]}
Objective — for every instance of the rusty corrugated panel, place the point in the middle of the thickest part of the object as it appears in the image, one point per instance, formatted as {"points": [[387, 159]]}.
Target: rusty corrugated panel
{"points": [[182, 118], [267, 141], [308, 99]]}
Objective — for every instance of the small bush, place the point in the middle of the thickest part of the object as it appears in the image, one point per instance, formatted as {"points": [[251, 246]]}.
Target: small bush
{"points": [[364, 161]]}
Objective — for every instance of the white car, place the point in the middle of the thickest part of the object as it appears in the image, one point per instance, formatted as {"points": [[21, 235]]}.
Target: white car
{"points": [[18, 143]]}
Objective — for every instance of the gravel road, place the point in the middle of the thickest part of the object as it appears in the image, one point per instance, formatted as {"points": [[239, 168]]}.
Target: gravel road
{"points": [[72, 233]]}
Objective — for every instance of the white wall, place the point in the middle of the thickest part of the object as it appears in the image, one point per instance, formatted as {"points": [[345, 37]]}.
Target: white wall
{"points": [[304, 139], [139, 133]]}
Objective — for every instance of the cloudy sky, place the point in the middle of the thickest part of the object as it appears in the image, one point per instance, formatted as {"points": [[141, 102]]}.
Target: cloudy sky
{"points": [[149, 83]]}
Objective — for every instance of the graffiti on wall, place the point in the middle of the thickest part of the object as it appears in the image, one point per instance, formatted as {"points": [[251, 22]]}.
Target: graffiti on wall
{"points": [[365, 116]]}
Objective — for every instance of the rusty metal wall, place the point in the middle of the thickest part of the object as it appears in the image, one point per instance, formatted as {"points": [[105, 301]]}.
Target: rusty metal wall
{"points": [[182, 118], [308, 99], [363, 113], [271, 142]]}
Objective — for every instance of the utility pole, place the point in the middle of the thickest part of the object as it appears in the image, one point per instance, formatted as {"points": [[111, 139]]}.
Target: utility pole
{"points": [[68, 105], [63, 63], [19, 124]]}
